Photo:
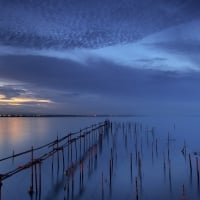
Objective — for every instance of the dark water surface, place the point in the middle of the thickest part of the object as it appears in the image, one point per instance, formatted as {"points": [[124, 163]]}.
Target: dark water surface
{"points": [[141, 157]]}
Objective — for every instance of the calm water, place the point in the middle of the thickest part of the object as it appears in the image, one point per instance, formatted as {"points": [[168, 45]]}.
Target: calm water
{"points": [[159, 166]]}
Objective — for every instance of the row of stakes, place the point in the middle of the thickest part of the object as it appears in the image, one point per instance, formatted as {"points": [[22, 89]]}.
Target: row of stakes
{"points": [[154, 151], [90, 136], [88, 149], [138, 158]]}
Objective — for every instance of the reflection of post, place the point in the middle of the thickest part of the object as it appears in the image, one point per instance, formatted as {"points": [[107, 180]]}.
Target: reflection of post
{"points": [[136, 188], [80, 146], [197, 166], [156, 147], [36, 187], [63, 158], [102, 186], [164, 165], [31, 186], [170, 177], [72, 180], [190, 168], [131, 166], [40, 178], [0, 188], [183, 193]]}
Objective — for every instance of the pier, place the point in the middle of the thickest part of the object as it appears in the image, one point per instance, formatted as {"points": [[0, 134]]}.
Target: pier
{"points": [[75, 145]]}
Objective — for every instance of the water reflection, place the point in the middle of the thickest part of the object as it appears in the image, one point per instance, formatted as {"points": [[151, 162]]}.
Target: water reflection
{"points": [[19, 132], [129, 153]]}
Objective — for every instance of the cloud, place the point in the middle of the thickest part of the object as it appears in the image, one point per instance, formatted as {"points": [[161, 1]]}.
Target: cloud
{"points": [[98, 77], [10, 91], [97, 86], [92, 24]]}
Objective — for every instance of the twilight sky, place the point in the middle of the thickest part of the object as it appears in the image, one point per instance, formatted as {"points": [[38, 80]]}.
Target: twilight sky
{"points": [[103, 57]]}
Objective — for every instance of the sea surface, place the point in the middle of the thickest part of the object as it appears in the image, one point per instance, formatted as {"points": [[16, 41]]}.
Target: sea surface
{"points": [[148, 157]]}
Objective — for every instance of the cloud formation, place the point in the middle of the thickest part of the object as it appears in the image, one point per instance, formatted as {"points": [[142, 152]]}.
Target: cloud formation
{"points": [[74, 24], [76, 87]]}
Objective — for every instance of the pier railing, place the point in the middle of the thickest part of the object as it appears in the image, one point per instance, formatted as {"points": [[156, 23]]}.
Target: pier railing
{"points": [[77, 143]]}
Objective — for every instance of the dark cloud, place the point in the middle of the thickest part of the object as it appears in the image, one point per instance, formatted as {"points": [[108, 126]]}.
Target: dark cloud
{"points": [[11, 91], [89, 23], [96, 86], [97, 77]]}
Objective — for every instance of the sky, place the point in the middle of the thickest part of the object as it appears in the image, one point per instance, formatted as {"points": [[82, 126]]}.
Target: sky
{"points": [[100, 57]]}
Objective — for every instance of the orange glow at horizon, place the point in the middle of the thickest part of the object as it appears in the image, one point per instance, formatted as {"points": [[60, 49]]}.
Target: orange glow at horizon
{"points": [[15, 101]]}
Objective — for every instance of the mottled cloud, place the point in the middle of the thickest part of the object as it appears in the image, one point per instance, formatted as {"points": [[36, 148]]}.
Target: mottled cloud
{"points": [[89, 24]]}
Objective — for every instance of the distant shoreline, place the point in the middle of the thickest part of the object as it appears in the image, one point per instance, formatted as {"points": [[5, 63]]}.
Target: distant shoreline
{"points": [[32, 115]]}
